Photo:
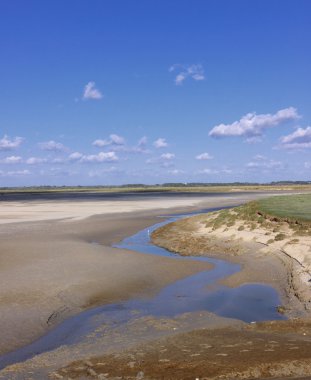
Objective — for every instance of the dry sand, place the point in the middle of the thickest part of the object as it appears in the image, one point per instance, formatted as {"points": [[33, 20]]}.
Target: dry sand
{"points": [[12, 212]]}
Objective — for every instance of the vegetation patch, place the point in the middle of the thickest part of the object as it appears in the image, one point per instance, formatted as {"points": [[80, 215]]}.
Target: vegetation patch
{"points": [[273, 214]]}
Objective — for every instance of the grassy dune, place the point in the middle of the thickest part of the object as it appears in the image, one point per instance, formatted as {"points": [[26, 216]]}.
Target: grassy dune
{"points": [[294, 210]]}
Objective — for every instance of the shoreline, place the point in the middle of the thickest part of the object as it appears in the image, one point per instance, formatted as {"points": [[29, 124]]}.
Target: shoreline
{"points": [[260, 263], [106, 229], [51, 268]]}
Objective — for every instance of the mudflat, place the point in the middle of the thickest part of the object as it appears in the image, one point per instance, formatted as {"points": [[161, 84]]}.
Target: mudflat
{"points": [[57, 260]]}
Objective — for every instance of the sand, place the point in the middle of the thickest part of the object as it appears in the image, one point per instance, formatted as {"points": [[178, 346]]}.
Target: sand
{"points": [[56, 260], [49, 274], [12, 212]]}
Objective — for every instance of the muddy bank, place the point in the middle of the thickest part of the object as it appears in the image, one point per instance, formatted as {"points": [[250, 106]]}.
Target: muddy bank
{"points": [[259, 263], [256, 351]]}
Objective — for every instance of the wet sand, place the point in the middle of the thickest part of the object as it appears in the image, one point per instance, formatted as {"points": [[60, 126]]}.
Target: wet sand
{"points": [[56, 259], [48, 274], [53, 267]]}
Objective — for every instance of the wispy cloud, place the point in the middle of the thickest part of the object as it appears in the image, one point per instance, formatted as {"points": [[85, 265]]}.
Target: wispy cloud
{"points": [[11, 160], [253, 125], [117, 140], [176, 171], [91, 92], [261, 162], [7, 144], [165, 160], [104, 172], [75, 156], [100, 157], [160, 143], [113, 140], [141, 146], [299, 139], [15, 173], [99, 143], [167, 156], [204, 156], [214, 171], [35, 160], [52, 146], [195, 72]]}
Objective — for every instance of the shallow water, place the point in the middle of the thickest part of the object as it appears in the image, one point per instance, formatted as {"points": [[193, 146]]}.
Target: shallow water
{"points": [[250, 302]]}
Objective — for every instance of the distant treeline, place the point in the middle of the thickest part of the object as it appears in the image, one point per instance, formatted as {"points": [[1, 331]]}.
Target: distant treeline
{"points": [[164, 185]]}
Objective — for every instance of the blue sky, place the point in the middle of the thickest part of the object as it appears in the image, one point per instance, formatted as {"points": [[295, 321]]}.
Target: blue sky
{"points": [[150, 91]]}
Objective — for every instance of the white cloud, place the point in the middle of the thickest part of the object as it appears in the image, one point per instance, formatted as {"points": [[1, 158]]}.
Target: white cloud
{"points": [[299, 139], [91, 92], [204, 156], [7, 144], [160, 143], [307, 165], [165, 160], [167, 156], [207, 171], [101, 143], [259, 157], [214, 171], [113, 140], [195, 72], [176, 171], [141, 146], [75, 156], [35, 160], [52, 146], [57, 172], [253, 125], [12, 160], [143, 141], [254, 139], [117, 140], [265, 164], [17, 173], [100, 157], [56, 160]]}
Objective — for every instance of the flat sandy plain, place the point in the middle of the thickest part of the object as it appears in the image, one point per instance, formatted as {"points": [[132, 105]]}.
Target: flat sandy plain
{"points": [[51, 269]]}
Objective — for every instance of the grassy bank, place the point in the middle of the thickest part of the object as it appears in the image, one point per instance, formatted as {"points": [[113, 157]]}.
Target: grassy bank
{"points": [[270, 214]]}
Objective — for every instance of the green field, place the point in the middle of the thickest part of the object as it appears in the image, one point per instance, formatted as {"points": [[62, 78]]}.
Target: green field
{"points": [[271, 214], [294, 207]]}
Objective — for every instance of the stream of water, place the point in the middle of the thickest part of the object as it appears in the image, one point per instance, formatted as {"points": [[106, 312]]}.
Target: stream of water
{"points": [[249, 302]]}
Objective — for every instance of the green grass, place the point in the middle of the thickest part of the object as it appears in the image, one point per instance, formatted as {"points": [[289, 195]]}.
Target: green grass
{"points": [[269, 213], [293, 207]]}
